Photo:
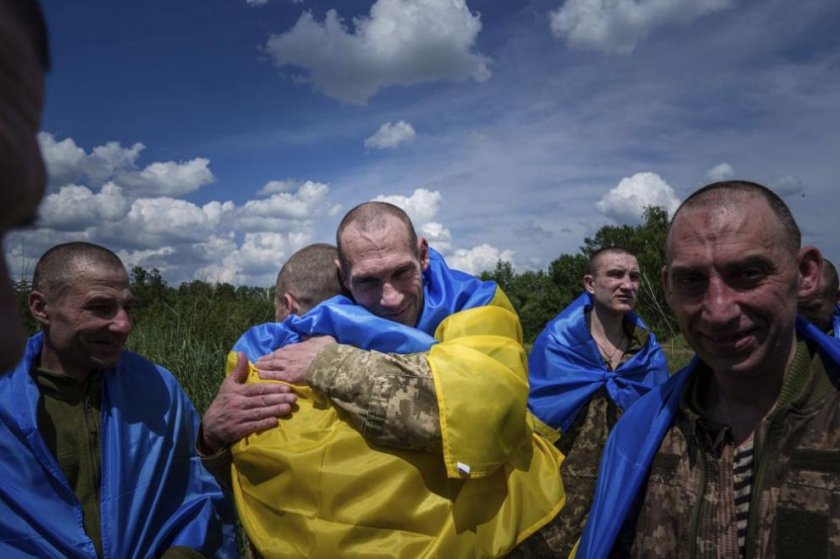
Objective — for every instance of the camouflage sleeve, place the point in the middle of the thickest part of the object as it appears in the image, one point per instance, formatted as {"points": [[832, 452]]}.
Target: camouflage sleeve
{"points": [[389, 398]]}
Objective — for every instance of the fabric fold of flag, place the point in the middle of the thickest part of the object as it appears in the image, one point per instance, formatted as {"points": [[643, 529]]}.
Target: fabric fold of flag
{"points": [[155, 493], [566, 368], [314, 487]]}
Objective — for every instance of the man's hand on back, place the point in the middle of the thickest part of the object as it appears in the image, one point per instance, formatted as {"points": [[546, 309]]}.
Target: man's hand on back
{"points": [[241, 409], [290, 363]]}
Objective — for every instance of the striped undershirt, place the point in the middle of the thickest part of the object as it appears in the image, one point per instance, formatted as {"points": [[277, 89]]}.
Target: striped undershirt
{"points": [[743, 464]]}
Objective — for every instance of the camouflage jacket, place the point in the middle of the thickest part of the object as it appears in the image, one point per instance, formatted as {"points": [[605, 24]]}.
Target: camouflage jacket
{"points": [[582, 446], [390, 398], [688, 508]]}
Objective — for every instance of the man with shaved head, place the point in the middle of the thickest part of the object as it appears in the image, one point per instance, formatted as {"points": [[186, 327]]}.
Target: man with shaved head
{"points": [[411, 436], [24, 57], [736, 455], [96, 443], [586, 368], [239, 409]]}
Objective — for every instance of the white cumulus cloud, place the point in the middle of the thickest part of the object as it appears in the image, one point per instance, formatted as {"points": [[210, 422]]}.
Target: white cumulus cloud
{"points": [[626, 202], [720, 172], [69, 163], [75, 208], [164, 220], [62, 158], [616, 26], [478, 259], [283, 209], [421, 206], [168, 178], [390, 136], [401, 42]]}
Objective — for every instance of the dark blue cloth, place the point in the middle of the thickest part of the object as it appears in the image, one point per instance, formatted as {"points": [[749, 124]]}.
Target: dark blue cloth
{"points": [[154, 491], [835, 321], [565, 368], [636, 438], [445, 291]]}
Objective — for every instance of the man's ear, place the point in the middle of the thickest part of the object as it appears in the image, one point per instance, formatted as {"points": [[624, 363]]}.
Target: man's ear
{"points": [[810, 270], [423, 253], [291, 303], [589, 283], [38, 307], [341, 276]]}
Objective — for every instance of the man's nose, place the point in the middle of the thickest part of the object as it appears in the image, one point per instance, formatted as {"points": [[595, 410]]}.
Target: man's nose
{"points": [[121, 324], [391, 296], [720, 304]]}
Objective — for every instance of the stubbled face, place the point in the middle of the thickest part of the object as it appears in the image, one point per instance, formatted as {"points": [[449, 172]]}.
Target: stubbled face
{"points": [[22, 175], [88, 326], [732, 283], [615, 284], [386, 275]]}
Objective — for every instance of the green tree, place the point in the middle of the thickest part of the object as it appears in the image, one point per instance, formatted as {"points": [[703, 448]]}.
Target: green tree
{"points": [[647, 242]]}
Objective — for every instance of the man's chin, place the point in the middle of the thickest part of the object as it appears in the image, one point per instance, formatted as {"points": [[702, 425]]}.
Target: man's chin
{"points": [[106, 360]]}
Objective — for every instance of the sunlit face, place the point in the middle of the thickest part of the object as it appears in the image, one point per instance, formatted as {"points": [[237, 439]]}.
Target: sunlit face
{"points": [[386, 275], [733, 283], [87, 327], [22, 175], [615, 284]]}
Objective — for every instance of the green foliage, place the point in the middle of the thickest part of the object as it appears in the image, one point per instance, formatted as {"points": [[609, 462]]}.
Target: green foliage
{"points": [[190, 329], [539, 296]]}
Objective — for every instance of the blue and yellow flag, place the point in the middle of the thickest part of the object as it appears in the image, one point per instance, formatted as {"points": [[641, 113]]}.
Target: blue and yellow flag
{"points": [[566, 368], [314, 487], [154, 491], [636, 438]]}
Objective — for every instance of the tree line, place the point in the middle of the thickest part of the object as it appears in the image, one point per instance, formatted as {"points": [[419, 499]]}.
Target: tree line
{"points": [[190, 328]]}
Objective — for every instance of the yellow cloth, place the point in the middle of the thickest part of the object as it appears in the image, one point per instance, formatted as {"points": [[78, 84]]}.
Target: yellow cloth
{"points": [[313, 487]]}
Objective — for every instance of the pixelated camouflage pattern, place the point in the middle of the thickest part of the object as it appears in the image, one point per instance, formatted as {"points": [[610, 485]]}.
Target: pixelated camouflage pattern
{"points": [[583, 446], [389, 398], [688, 508]]}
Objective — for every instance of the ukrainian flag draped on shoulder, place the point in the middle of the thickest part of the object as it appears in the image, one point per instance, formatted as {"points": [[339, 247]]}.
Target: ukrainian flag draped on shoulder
{"points": [[566, 368], [313, 487], [635, 439], [154, 492]]}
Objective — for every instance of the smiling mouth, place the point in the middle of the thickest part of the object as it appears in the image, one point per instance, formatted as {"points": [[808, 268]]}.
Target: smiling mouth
{"points": [[731, 342]]}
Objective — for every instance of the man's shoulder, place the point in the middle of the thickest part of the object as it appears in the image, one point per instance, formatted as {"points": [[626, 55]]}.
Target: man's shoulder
{"points": [[136, 370]]}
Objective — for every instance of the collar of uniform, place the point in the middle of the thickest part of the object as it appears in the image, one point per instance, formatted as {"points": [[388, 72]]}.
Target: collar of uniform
{"points": [[805, 385], [63, 387]]}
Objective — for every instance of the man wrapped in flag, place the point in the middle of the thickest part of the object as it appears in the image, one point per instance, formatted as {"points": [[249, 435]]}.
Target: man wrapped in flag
{"points": [[96, 442], [411, 436], [736, 455], [586, 368]]}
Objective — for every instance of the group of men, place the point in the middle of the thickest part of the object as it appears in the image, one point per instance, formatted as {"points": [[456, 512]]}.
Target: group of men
{"points": [[392, 410]]}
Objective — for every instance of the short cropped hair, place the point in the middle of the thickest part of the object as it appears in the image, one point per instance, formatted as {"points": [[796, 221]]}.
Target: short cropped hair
{"points": [[734, 190], [61, 265], [31, 18], [310, 275], [373, 216], [594, 260]]}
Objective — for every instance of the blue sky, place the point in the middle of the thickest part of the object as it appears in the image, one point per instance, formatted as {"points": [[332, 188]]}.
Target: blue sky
{"points": [[212, 139]]}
